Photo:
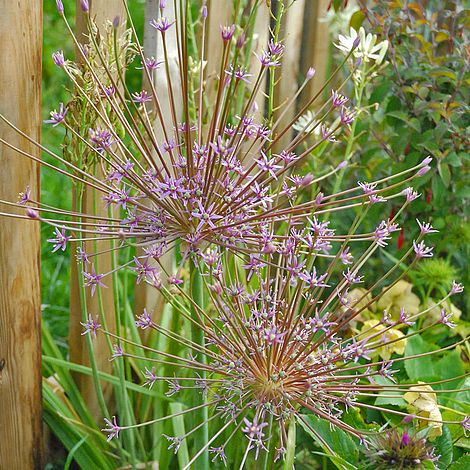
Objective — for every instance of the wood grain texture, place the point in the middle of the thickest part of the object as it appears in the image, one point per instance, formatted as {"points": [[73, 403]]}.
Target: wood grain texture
{"points": [[292, 27], [147, 296], [102, 11], [20, 301], [317, 44]]}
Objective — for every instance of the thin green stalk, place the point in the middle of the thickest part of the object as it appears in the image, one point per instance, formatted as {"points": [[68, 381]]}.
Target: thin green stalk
{"points": [[290, 446], [201, 436], [264, 456]]}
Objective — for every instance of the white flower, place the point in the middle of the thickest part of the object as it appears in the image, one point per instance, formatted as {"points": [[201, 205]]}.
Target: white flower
{"points": [[307, 123], [368, 48]]}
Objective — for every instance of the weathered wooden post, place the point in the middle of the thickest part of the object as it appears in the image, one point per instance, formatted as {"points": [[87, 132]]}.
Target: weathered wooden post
{"points": [[101, 11], [20, 300], [292, 26]]}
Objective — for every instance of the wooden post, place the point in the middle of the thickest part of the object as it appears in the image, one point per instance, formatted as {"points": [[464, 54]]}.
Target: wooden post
{"points": [[261, 33], [101, 11], [147, 296], [20, 300], [292, 27], [317, 43], [219, 14]]}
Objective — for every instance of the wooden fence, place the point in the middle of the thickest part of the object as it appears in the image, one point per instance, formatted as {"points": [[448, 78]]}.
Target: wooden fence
{"points": [[20, 84]]}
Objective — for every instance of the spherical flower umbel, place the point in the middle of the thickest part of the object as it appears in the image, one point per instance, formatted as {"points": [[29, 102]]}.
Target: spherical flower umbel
{"points": [[276, 348]]}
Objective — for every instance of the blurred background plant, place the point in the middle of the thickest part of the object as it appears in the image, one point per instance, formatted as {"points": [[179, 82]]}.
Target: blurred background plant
{"points": [[419, 105]]}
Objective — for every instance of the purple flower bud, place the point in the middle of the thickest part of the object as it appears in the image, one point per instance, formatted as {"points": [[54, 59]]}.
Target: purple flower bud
{"points": [[162, 4], [405, 439], [342, 165], [356, 42], [310, 73], [408, 419], [85, 6], [58, 58], [32, 214], [116, 22], [204, 12], [307, 179], [423, 170], [60, 6], [426, 161], [240, 41]]}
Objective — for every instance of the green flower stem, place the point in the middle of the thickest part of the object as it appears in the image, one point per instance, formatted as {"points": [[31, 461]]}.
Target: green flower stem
{"points": [[266, 457], [290, 446], [201, 436]]}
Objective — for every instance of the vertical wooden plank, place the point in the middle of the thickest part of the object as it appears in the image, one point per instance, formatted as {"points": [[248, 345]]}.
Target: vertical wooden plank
{"points": [[101, 11], [261, 38], [20, 301], [219, 14], [147, 296], [317, 46], [292, 27]]}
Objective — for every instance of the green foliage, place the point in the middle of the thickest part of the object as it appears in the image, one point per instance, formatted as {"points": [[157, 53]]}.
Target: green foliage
{"points": [[423, 98]]}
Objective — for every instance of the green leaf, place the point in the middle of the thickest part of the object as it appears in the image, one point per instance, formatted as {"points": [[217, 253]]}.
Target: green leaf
{"points": [[357, 18], [444, 448], [462, 464], [444, 172], [387, 400], [338, 440], [420, 368]]}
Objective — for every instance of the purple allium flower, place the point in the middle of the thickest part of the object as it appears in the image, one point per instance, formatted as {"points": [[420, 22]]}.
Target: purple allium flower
{"points": [[60, 240], [445, 319], [421, 250], [141, 97], [151, 63], [425, 228], [101, 139], [347, 116], [117, 351], [58, 58], [310, 73], [91, 325], [328, 134], [268, 165], [275, 48], [150, 377], [456, 288], [93, 280], [163, 24], [25, 196], [382, 234], [267, 60], [175, 281], [57, 116], [239, 73], [466, 425], [144, 321], [337, 99], [112, 428], [227, 32], [410, 194], [219, 453], [116, 22]]}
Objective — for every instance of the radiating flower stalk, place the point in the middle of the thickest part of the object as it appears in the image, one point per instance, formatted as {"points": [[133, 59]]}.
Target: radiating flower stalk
{"points": [[272, 342]]}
